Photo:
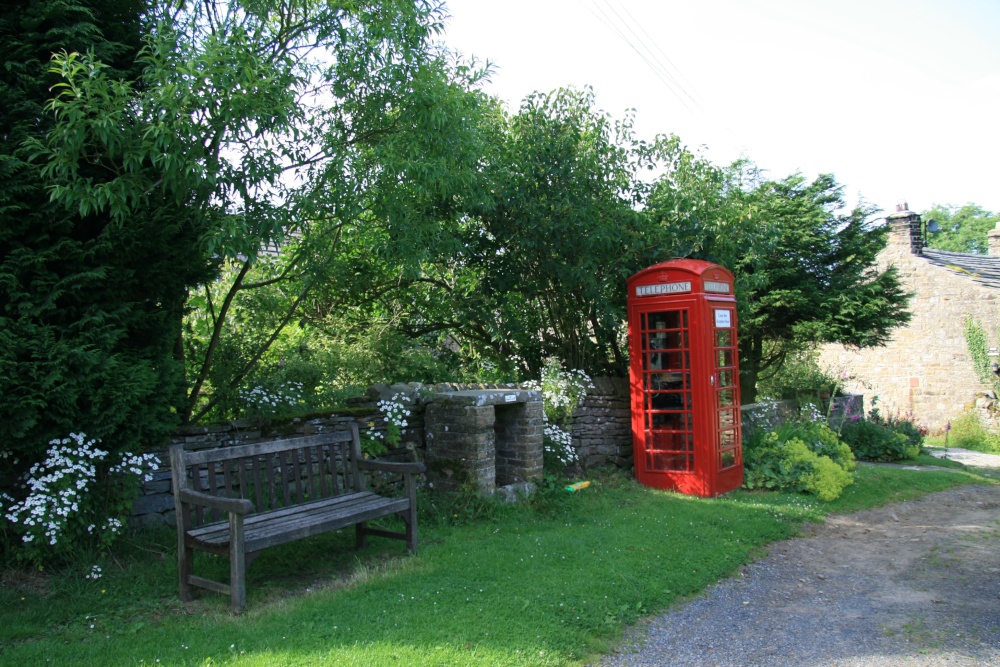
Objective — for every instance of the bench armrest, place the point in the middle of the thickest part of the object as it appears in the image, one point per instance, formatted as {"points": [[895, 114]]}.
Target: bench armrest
{"points": [[235, 505], [389, 466]]}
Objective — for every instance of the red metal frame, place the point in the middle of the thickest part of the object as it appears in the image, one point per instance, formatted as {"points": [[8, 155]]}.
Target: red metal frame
{"points": [[686, 431]]}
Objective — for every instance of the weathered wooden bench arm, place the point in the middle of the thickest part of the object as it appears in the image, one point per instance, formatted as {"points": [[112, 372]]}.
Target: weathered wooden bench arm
{"points": [[235, 505]]}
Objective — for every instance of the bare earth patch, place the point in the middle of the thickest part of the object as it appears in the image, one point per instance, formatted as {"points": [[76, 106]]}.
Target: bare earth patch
{"points": [[914, 584]]}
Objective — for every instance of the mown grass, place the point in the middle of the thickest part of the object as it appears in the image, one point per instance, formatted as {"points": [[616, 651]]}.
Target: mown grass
{"points": [[553, 582]]}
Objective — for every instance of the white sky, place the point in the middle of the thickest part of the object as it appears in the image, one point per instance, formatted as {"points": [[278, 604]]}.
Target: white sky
{"points": [[900, 99]]}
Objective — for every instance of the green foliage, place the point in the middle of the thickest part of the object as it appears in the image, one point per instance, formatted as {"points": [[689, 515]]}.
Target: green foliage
{"points": [[74, 500], [805, 269], [555, 170], [799, 377], [89, 310], [802, 456], [977, 343], [873, 440], [963, 228], [968, 432], [327, 131]]}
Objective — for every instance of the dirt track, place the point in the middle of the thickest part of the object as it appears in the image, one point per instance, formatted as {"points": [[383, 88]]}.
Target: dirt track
{"points": [[913, 584]]}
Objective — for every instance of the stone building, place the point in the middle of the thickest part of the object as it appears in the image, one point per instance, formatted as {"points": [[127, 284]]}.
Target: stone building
{"points": [[925, 370]]}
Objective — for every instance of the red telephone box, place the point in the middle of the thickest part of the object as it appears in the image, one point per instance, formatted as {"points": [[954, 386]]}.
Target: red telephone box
{"points": [[686, 432]]}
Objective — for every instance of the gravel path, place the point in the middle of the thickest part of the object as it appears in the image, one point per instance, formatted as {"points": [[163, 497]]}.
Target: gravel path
{"points": [[913, 584]]}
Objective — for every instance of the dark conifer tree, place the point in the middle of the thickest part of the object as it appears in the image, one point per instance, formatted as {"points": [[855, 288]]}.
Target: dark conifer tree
{"points": [[90, 311]]}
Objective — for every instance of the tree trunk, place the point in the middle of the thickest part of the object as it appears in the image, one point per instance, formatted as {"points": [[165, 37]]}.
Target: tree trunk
{"points": [[751, 352]]}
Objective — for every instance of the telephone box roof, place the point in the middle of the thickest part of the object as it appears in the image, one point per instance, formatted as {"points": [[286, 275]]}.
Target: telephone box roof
{"points": [[695, 267]]}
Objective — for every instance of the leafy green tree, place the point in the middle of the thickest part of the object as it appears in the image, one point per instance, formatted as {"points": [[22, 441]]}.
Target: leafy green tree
{"points": [[89, 310], [962, 228], [806, 270], [541, 265], [265, 123]]}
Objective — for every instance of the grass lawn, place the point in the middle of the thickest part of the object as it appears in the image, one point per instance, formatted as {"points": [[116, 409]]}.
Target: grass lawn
{"points": [[553, 582]]}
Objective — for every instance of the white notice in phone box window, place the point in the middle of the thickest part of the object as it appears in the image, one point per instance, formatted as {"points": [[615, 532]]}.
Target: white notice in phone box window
{"points": [[722, 320]]}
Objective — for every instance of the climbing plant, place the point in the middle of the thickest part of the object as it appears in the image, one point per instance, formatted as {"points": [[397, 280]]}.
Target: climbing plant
{"points": [[979, 352]]}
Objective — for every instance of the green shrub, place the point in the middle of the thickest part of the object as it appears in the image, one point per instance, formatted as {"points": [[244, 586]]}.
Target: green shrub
{"points": [[807, 457], [821, 439], [914, 434], [968, 432], [75, 500], [800, 378], [877, 441]]}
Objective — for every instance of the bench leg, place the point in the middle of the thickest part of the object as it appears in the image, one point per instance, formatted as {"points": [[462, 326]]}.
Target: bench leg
{"points": [[361, 535], [411, 515], [185, 568], [411, 529], [237, 564]]}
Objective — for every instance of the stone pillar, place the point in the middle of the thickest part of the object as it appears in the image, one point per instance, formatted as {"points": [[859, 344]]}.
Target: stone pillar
{"points": [[488, 439], [520, 434], [461, 445], [904, 229], [993, 241]]}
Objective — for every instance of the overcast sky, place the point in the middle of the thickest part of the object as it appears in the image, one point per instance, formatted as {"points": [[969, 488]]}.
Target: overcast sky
{"points": [[898, 99]]}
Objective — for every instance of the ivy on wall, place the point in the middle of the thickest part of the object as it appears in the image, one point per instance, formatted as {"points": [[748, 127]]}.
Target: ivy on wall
{"points": [[979, 351]]}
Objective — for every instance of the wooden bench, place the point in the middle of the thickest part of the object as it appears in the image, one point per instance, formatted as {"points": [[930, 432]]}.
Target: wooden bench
{"points": [[237, 501]]}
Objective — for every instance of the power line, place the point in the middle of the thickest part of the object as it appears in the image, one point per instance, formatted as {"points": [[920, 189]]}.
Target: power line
{"points": [[619, 25]]}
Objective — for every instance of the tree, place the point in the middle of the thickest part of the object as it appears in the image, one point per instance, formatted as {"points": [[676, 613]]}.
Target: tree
{"points": [[263, 122], [539, 270], [88, 310], [962, 228], [806, 270]]}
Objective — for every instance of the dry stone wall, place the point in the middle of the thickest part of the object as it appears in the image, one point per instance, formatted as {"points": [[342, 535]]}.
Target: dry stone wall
{"points": [[487, 435], [601, 425]]}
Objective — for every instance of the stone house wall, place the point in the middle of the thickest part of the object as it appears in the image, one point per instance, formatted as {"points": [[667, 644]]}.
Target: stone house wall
{"points": [[925, 370]]}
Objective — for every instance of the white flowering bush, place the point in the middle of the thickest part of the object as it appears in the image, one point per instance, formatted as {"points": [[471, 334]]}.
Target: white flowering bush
{"points": [[395, 414], [562, 391], [78, 495], [266, 403]]}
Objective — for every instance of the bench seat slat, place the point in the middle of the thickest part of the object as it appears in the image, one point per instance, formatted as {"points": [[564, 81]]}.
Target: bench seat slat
{"points": [[299, 521]]}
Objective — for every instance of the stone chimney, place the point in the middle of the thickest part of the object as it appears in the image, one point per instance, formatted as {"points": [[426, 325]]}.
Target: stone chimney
{"points": [[904, 229], [993, 241]]}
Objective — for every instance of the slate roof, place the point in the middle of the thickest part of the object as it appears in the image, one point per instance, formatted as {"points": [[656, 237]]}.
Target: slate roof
{"points": [[982, 269]]}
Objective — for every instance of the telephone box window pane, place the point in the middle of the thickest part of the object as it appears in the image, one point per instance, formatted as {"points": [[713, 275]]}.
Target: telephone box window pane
{"points": [[668, 400], [725, 358], [666, 380], [670, 319], [725, 378], [669, 461], [667, 442], [670, 421], [726, 398], [723, 338], [727, 439], [666, 361], [726, 419], [727, 458]]}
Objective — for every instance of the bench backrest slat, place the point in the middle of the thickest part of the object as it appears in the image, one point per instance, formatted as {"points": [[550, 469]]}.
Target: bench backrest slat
{"points": [[236, 451], [256, 463], [274, 474]]}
